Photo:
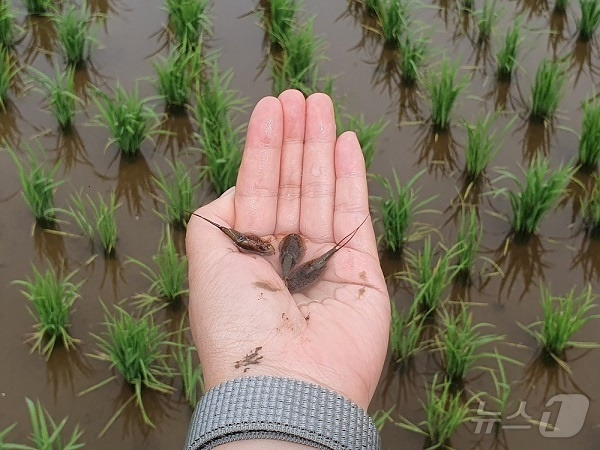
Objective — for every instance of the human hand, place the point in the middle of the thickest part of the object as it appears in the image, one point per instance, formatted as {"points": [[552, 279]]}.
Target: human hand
{"points": [[295, 177]]}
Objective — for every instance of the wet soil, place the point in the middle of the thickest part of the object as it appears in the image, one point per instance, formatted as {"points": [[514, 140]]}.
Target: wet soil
{"points": [[561, 255]]}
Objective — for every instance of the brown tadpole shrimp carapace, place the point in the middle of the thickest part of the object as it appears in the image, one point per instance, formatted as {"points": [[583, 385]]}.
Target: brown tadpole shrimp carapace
{"points": [[291, 252], [309, 272], [248, 242]]}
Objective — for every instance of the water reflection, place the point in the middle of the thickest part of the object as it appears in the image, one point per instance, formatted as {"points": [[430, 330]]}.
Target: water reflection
{"points": [[179, 136], [49, 244], [437, 151], [42, 39], [370, 39], [9, 130], [532, 8], [588, 258], [523, 263], [557, 24], [585, 58], [386, 75], [70, 150], [408, 104], [64, 366], [536, 138]]}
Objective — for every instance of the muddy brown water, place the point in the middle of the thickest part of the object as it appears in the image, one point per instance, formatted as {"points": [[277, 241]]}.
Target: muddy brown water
{"points": [[562, 255]]}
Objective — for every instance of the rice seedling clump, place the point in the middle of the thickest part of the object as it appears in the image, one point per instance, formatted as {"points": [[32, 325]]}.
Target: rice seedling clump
{"points": [[169, 278], [429, 277], [393, 19], [590, 19], [398, 211], [52, 297], [367, 134], [562, 317], [482, 146], [279, 20], [445, 412], [73, 35], [188, 20], [176, 75], [590, 208], [443, 89], [537, 196], [560, 6], [8, 71], [129, 119], [60, 93], [179, 195], [190, 371], [547, 89], [7, 25], [299, 65], [406, 330], [413, 52], [38, 7], [460, 344], [486, 19], [46, 433], [468, 241], [589, 140], [37, 186], [506, 58], [136, 348], [102, 221], [219, 138]]}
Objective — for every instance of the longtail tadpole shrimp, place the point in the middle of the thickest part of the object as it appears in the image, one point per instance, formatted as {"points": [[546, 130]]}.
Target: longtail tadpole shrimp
{"points": [[248, 242], [309, 272], [291, 252]]}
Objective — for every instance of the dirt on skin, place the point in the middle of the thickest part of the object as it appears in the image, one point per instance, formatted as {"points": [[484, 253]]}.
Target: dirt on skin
{"points": [[562, 255]]}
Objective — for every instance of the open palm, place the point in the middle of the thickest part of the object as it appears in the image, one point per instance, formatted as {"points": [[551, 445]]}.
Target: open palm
{"points": [[295, 177]]}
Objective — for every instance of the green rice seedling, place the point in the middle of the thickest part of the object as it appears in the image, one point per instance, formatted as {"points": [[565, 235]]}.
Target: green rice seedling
{"points": [[219, 138], [102, 221], [37, 186], [176, 76], [468, 242], [279, 20], [73, 35], [129, 119], [486, 19], [366, 133], [191, 373], [169, 278], [443, 89], [60, 93], [7, 445], [8, 71], [46, 433], [547, 89], [52, 297], [179, 195], [405, 333], [537, 196], [38, 7], [560, 6], [398, 212], [503, 391], [506, 58], [382, 417], [482, 145], [188, 20], [413, 52], [460, 343], [428, 277], [445, 412], [299, 66], [589, 140], [393, 19], [373, 6], [590, 19], [7, 25], [136, 348], [562, 317], [590, 207]]}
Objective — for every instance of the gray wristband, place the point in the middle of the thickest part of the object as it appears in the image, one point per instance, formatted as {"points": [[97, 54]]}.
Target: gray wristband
{"points": [[283, 409]]}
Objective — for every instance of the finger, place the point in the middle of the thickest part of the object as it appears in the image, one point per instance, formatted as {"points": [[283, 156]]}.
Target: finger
{"points": [[352, 195], [290, 176], [258, 179], [318, 171]]}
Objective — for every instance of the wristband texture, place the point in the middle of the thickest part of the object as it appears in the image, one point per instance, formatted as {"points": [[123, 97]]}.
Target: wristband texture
{"points": [[283, 409]]}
